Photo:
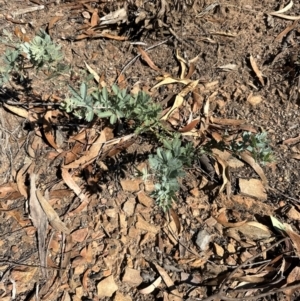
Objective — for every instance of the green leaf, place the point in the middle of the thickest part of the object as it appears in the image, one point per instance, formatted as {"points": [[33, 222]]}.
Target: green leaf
{"points": [[104, 114], [89, 116], [113, 119], [75, 93], [83, 90], [123, 94], [277, 224], [167, 144], [115, 89], [105, 94]]}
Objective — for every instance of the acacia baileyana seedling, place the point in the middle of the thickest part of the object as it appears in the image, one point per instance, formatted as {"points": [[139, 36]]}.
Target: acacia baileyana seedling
{"points": [[168, 166], [40, 52], [116, 106]]}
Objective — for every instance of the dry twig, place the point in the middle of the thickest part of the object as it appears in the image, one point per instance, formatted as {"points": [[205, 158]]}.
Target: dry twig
{"points": [[138, 55], [221, 295]]}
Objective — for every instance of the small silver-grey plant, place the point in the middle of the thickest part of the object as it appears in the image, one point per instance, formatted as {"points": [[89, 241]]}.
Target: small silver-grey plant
{"points": [[256, 144], [42, 50], [115, 106], [168, 166]]}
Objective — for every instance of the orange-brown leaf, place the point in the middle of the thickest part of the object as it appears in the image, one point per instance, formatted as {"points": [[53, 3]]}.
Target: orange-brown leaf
{"points": [[190, 126], [53, 20], [95, 18], [147, 59], [48, 131], [256, 70], [91, 154]]}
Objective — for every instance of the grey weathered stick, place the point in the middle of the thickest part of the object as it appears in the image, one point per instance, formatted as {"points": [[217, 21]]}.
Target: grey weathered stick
{"points": [[28, 10]]}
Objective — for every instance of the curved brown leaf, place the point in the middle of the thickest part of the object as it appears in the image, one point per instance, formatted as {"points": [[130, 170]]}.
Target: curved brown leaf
{"points": [[248, 159], [52, 215], [150, 288], [91, 154]]}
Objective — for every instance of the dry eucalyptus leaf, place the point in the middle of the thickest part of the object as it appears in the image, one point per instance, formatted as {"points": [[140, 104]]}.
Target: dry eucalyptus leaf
{"points": [[292, 18], [280, 12], [190, 126], [80, 234], [234, 163], [77, 190], [248, 159], [39, 220], [70, 182], [49, 132], [223, 220], [94, 73], [286, 31], [180, 98], [150, 288], [174, 293], [182, 63], [90, 155], [52, 216], [175, 218], [225, 173], [283, 10], [54, 20], [293, 140], [170, 80], [254, 231], [295, 238], [211, 85], [256, 70], [145, 226], [145, 56], [295, 156], [292, 277], [21, 176], [227, 122], [17, 110]]}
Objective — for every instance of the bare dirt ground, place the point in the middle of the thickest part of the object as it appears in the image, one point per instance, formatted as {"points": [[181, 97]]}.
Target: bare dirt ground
{"points": [[109, 239]]}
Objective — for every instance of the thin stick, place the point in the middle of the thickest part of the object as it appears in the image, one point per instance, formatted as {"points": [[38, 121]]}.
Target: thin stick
{"points": [[34, 104], [285, 195], [138, 55], [180, 39], [220, 295]]}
